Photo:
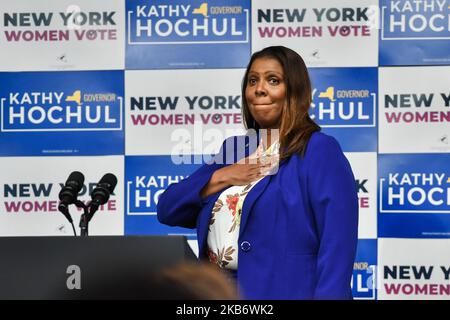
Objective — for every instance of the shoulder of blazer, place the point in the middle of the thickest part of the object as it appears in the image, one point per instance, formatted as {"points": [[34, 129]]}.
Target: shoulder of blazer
{"points": [[319, 143], [230, 146]]}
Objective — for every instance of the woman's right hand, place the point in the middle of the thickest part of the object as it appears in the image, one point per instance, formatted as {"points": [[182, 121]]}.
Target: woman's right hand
{"points": [[241, 173]]}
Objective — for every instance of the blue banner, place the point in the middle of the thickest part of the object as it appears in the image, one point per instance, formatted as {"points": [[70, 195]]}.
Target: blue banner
{"points": [[414, 32], [345, 105], [146, 177], [414, 195], [365, 270], [61, 113], [208, 34]]}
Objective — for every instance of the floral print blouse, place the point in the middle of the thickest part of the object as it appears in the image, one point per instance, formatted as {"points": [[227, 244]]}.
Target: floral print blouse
{"points": [[222, 241]]}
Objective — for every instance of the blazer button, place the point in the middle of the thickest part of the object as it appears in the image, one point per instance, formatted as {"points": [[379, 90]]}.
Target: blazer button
{"points": [[245, 246]]}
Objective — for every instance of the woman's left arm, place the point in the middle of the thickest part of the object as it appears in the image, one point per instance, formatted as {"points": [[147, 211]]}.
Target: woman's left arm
{"points": [[334, 199]]}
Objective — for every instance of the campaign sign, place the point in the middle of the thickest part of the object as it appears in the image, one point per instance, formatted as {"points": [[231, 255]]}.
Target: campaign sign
{"points": [[61, 113], [364, 277], [62, 35], [326, 33], [414, 32], [413, 269], [187, 34], [414, 110], [414, 195], [29, 195], [166, 114], [344, 105], [147, 177], [364, 167]]}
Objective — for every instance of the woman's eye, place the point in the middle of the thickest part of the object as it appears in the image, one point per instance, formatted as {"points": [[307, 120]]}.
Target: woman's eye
{"points": [[252, 81], [274, 81]]}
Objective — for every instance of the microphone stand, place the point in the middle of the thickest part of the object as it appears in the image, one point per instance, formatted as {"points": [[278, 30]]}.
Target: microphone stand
{"points": [[84, 220]]}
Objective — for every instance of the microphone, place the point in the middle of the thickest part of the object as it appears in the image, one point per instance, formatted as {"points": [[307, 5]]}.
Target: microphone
{"points": [[69, 193], [100, 194]]}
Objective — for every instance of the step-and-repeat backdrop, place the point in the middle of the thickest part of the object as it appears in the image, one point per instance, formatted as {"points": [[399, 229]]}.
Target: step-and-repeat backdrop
{"points": [[144, 89]]}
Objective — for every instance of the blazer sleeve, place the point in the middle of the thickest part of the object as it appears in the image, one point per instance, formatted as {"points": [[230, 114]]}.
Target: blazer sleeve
{"points": [[180, 204], [334, 200]]}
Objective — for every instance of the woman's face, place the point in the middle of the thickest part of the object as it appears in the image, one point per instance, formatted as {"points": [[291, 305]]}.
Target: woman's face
{"points": [[266, 92]]}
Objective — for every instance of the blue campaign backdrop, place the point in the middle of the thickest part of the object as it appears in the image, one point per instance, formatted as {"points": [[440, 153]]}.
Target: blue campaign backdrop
{"points": [[364, 272], [93, 128], [414, 195], [342, 117], [145, 178], [207, 40], [414, 35]]}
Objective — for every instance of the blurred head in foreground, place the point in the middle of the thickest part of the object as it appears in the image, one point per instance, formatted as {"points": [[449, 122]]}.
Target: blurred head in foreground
{"points": [[184, 281]]}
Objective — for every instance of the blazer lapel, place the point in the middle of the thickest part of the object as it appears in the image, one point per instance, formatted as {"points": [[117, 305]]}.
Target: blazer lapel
{"points": [[252, 143], [250, 199]]}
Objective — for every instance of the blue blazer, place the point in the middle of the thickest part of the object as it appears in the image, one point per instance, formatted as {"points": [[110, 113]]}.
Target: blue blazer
{"points": [[299, 228]]}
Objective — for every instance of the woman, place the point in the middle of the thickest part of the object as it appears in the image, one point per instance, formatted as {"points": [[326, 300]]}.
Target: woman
{"points": [[286, 231]]}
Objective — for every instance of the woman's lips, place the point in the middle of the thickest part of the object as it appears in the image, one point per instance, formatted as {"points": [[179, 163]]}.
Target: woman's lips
{"points": [[262, 104]]}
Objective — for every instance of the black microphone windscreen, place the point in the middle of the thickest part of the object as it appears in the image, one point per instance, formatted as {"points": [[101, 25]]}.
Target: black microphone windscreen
{"points": [[76, 177], [110, 180]]}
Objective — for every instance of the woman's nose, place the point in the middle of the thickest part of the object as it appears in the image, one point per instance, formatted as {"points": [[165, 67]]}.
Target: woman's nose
{"points": [[260, 89]]}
